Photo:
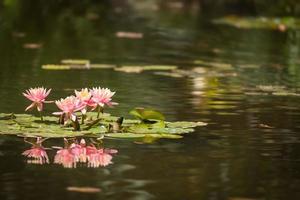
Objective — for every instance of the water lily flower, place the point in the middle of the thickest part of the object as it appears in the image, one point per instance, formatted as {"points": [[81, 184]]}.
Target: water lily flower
{"points": [[68, 107], [102, 96], [37, 96], [86, 97], [37, 153]]}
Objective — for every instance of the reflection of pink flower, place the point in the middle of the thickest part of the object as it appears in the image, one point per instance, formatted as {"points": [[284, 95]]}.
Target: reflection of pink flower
{"points": [[65, 157], [69, 106], [38, 154], [86, 97], [37, 96], [79, 151], [99, 157], [102, 96]]}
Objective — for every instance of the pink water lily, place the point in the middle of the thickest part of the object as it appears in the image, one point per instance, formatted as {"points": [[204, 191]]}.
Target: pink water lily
{"points": [[86, 97], [37, 96], [37, 153], [68, 107], [101, 97]]}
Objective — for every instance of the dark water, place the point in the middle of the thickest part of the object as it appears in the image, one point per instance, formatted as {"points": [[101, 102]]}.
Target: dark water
{"points": [[250, 148]]}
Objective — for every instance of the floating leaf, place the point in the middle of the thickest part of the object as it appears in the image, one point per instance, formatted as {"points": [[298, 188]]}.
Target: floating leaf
{"points": [[139, 69], [25, 125], [102, 66], [129, 69], [32, 45], [75, 62], [147, 114], [83, 189], [56, 67], [129, 35], [276, 23], [185, 124]]}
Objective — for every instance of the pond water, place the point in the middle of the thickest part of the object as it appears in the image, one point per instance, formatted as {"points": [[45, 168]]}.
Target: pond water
{"points": [[246, 87]]}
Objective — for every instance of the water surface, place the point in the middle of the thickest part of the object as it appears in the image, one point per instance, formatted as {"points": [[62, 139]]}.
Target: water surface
{"points": [[250, 148]]}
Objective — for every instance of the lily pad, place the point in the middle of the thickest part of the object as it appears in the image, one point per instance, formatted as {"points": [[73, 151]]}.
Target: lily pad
{"points": [[139, 69], [147, 114], [278, 23], [25, 125], [56, 67]]}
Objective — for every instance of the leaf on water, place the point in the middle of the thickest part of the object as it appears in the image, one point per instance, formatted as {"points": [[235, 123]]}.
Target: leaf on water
{"points": [[83, 189], [271, 88], [75, 61], [265, 126], [275, 23], [140, 135], [102, 66], [32, 45], [286, 94], [25, 125], [147, 114], [185, 124], [56, 67], [159, 67], [129, 35], [170, 74], [139, 69], [129, 69]]}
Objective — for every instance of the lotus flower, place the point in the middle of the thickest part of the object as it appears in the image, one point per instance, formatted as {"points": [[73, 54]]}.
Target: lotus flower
{"points": [[86, 97], [37, 96], [37, 153], [69, 106], [102, 96], [66, 158]]}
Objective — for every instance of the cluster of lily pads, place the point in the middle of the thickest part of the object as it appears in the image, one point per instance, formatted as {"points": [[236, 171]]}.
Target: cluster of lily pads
{"points": [[71, 154], [82, 114]]}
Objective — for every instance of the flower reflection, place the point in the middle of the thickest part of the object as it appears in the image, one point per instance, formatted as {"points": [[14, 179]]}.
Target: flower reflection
{"points": [[37, 154], [72, 154], [82, 153], [66, 158]]}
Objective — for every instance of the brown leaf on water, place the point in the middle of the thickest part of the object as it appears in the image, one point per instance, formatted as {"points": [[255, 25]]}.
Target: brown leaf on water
{"points": [[83, 189], [130, 69], [129, 35], [265, 126], [32, 45]]}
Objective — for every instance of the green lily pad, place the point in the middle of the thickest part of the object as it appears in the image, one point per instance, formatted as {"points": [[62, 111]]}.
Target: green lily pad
{"points": [[26, 125], [140, 135], [147, 114], [278, 23], [139, 69], [185, 124], [75, 62]]}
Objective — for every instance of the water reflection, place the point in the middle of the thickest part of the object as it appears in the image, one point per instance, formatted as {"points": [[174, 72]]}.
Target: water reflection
{"points": [[37, 153], [73, 153]]}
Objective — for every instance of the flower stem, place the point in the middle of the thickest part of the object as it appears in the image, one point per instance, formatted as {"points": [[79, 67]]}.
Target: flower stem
{"points": [[82, 118], [41, 115], [98, 112]]}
